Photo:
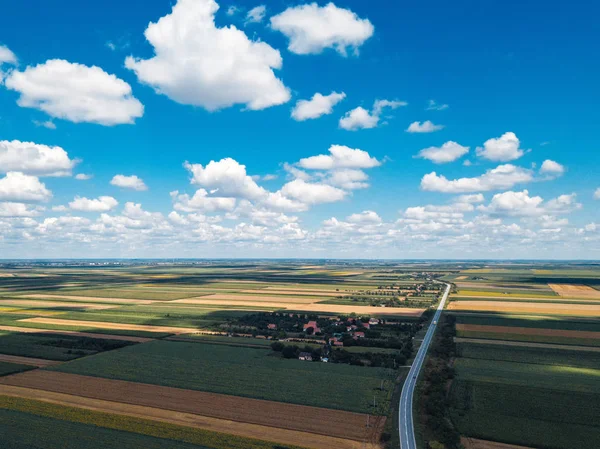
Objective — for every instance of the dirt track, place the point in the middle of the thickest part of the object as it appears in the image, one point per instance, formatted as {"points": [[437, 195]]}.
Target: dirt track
{"points": [[316, 420], [526, 344], [107, 325], [473, 443], [524, 307], [40, 363], [528, 331], [31, 330]]}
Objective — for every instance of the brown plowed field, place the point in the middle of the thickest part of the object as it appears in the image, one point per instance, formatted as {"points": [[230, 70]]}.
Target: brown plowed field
{"points": [[528, 331], [277, 435], [473, 443], [525, 307], [89, 299], [31, 330], [54, 304], [524, 344], [575, 291], [255, 411], [292, 291], [106, 325], [40, 363]]}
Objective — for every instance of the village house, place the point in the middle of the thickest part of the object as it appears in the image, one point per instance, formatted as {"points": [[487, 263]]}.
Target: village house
{"points": [[373, 321], [305, 356], [312, 324], [358, 335], [272, 326]]}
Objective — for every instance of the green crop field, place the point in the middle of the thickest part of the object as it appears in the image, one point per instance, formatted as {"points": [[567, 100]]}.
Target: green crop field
{"points": [[7, 368], [239, 371], [55, 347]]}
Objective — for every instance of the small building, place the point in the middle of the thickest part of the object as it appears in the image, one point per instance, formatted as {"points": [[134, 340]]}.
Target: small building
{"points": [[366, 325], [324, 359], [338, 343], [272, 326], [359, 335], [373, 321], [305, 356], [312, 324]]}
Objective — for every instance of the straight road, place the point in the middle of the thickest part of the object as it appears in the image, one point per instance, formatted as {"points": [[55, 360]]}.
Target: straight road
{"points": [[405, 416]]}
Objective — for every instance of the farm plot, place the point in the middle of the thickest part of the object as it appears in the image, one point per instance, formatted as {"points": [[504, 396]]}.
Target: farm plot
{"points": [[265, 413], [575, 291], [54, 304], [242, 372], [11, 368], [33, 330], [93, 299], [238, 299], [111, 326], [528, 308]]}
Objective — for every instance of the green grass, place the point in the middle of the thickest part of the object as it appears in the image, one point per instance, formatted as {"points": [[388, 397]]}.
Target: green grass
{"points": [[364, 349], [527, 415], [535, 322], [7, 368], [54, 347], [29, 424], [239, 371], [530, 338]]}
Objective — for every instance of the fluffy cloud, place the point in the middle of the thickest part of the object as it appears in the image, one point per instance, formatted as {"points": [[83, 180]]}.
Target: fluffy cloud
{"points": [[9, 209], [433, 106], [256, 14], [199, 64], [129, 182], [470, 199], [425, 127], [311, 29], [75, 92], [365, 217], [361, 118], [101, 204], [227, 177], [521, 204], [501, 177], [347, 178], [551, 168], [340, 157], [448, 152], [34, 159], [312, 193], [504, 148], [83, 177], [7, 56], [17, 186], [200, 201], [317, 106]]}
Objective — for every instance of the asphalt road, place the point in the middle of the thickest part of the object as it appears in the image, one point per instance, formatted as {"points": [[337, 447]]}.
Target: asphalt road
{"points": [[405, 424]]}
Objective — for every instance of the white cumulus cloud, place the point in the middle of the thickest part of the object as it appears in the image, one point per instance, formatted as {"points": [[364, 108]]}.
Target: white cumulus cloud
{"points": [[340, 156], [101, 204], [312, 193], [552, 168], [361, 118], [200, 201], [83, 176], [7, 56], [448, 152], [426, 127], [317, 106], [501, 177], [365, 217], [199, 64], [129, 182], [11, 210], [256, 14], [75, 92], [311, 28], [502, 149], [17, 186], [34, 159]]}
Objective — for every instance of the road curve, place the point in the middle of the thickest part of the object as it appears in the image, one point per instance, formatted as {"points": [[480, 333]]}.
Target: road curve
{"points": [[405, 415]]}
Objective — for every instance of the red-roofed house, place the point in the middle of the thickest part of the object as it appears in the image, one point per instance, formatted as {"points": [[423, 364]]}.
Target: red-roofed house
{"points": [[272, 326], [359, 335], [312, 324]]}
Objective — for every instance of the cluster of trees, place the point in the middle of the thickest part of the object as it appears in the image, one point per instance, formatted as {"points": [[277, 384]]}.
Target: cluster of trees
{"points": [[436, 403], [86, 344], [374, 360], [293, 351]]}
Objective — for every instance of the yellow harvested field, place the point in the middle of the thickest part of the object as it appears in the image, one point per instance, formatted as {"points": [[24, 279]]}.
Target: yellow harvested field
{"points": [[54, 304], [473, 443], [526, 307], [89, 299], [277, 435], [460, 278], [40, 363], [284, 291], [31, 330], [524, 344], [575, 291], [528, 331], [262, 305], [116, 326], [241, 299]]}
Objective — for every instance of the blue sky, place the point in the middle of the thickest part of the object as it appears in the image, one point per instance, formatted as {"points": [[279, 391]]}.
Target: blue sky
{"points": [[514, 85]]}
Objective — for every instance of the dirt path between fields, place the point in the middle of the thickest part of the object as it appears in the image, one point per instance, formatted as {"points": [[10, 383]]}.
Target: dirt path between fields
{"points": [[31, 361], [108, 325], [31, 330], [268, 414], [526, 344]]}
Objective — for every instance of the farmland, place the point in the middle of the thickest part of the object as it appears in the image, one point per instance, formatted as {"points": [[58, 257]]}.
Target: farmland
{"points": [[143, 350]]}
